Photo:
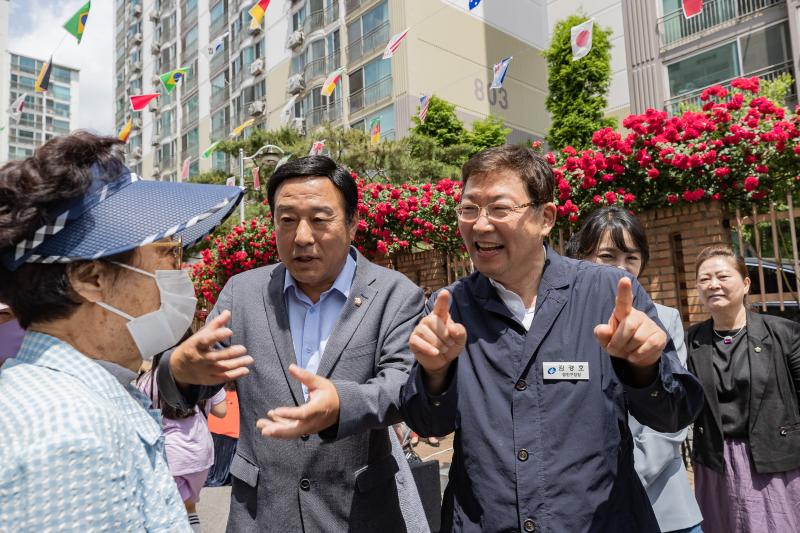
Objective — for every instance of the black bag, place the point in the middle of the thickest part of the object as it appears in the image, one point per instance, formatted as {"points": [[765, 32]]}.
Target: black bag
{"points": [[426, 477]]}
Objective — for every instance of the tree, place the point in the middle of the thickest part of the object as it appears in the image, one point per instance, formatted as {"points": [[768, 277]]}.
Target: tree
{"points": [[577, 89], [488, 132], [441, 123]]}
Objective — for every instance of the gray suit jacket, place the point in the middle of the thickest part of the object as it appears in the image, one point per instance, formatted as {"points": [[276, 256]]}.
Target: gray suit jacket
{"points": [[657, 456], [350, 477]]}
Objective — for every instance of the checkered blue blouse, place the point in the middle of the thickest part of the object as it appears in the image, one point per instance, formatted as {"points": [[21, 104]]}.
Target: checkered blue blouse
{"points": [[79, 451]]}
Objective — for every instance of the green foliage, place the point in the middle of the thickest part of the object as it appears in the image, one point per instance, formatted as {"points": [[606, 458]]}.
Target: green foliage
{"points": [[778, 89], [441, 123], [577, 89], [488, 132]]}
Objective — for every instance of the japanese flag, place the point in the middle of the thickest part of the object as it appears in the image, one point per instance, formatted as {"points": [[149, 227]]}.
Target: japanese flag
{"points": [[581, 38], [692, 8]]}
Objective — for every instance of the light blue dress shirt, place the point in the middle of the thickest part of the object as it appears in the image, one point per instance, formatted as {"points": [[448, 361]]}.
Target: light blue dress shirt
{"points": [[311, 323], [80, 451]]}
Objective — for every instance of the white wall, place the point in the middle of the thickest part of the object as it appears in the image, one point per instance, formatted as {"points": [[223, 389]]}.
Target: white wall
{"points": [[524, 19]]}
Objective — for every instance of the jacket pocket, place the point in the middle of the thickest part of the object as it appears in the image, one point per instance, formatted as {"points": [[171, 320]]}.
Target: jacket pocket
{"points": [[357, 352], [245, 470], [372, 475], [792, 429]]}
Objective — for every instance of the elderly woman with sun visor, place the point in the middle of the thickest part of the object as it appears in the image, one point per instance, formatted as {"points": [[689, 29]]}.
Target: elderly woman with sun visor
{"points": [[90, 266]]}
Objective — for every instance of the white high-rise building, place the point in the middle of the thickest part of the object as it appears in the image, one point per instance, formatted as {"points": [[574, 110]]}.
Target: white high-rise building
{"points": [[45, 115], [449, 52]]}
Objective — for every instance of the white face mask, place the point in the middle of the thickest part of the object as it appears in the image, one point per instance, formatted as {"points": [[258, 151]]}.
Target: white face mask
{"points": [[161, 330]]}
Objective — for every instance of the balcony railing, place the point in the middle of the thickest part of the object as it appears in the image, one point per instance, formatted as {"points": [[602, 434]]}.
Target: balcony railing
{"points": [[167, 34], [314, 21], [371, 95], [322, 114], [369, 43], [219, 60], [333, 61], [678, 103], [218, 26], [332, 15], [220, 97], [314, 69], [188, 19], [676, 29]]}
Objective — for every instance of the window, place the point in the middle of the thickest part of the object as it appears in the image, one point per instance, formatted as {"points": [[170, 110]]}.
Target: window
{"points": [[189, 40], [298, 18], [25, 81], [219, 161], [248, 55], [377, 70], [373, 18], [190, 142], [27, 64], [59, 109], [136, 85], [217, 11], [190, 108], [61, 74], [219, 124], [765, 48], [166, 123], [191, 5], [218, 84], [706, 68], [60, 92]]}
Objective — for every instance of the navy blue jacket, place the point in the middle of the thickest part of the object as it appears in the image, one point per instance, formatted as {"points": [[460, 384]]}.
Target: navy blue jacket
{"points": [[536, 455]]}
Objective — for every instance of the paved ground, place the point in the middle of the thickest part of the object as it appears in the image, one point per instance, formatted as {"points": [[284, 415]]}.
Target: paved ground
{"points": [[213, 506]]}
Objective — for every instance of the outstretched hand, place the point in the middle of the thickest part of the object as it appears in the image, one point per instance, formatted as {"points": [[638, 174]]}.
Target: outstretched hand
{"points": [[630, 334], [320, 412], [436, 342], [196, 361]]}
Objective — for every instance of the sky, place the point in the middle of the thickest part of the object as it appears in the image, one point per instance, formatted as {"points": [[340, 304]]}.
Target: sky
{"points": [[35, 29]]}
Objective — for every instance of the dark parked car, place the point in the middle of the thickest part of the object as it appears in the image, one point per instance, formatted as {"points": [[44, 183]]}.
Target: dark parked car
{"points": [[791, 309]]}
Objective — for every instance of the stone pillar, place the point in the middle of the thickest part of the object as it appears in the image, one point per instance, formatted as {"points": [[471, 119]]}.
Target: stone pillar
{"points": [[676, 235]]}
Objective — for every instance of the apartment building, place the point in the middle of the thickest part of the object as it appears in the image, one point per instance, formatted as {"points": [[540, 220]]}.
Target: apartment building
{"points": [[45, 115], [671, 59], [449, 52]]}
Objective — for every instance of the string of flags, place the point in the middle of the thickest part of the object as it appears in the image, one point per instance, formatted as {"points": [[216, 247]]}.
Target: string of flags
{"points": [[500, 70], [257, 12], [76, 25], [125, 132], [43, 80], [171, 79], [473, 4], [210, 150], [185, 169], [216, 46], [375, 131], [317, 148], [241, 127], [140, 101], [286, 113], [424, 103]]}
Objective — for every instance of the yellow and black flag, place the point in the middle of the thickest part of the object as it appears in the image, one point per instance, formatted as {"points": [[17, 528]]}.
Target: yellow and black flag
{"points": [[43, 81]]}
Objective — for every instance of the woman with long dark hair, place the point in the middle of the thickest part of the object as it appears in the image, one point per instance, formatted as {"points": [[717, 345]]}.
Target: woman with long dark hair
{"points": [[613, 236]]}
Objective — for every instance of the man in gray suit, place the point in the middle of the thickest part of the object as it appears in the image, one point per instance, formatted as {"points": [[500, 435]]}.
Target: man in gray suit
{"points": [[328, 334]]}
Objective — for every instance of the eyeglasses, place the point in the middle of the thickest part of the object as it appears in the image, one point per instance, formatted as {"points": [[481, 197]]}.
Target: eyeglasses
{"points": [[496, 212], [174, 248]]}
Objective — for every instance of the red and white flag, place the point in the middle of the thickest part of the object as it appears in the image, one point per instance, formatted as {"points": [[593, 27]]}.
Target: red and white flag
{"points": [[581, 39], [424, 103], [394, 43], [692, 8], [317, 148], [185, 169], [256, 179], [15, 111]]}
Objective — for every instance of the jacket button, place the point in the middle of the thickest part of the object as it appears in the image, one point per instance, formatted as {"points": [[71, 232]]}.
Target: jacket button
{"points": [[522, 455], [784, 433], [700, 429], [305, 484], [529, 525], [758, 349], [521, 385]]}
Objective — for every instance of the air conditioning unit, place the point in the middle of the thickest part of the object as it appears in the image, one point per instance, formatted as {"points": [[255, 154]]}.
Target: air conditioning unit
{"points": [[155, 15], [257, 67], [156, 140], [155, 48], [299, 124], [136, 66], [137, 10], [256, 108], [295, 39], [254, 30], [296, 84], [136, 153], [154, 107], [156, 81], [156, 173], [137, 38], [137, 122]]}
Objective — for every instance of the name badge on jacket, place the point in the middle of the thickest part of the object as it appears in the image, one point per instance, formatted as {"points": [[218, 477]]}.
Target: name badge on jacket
{"points": [[560, 370]]}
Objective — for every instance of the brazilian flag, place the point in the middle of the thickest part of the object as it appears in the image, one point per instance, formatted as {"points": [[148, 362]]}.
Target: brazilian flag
{"points": [[77, 24], [172, 78]]}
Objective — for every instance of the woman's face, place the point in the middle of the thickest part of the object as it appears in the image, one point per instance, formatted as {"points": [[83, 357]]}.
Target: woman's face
{"points": [[720, 285], [607, 253]]}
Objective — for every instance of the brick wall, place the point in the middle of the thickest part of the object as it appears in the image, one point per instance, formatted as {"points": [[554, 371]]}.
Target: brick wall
{"points": [[676, 235], [426, 269]]}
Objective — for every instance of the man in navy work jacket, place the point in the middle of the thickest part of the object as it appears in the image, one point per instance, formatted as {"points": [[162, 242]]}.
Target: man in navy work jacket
{"points": [[518, 366]]}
